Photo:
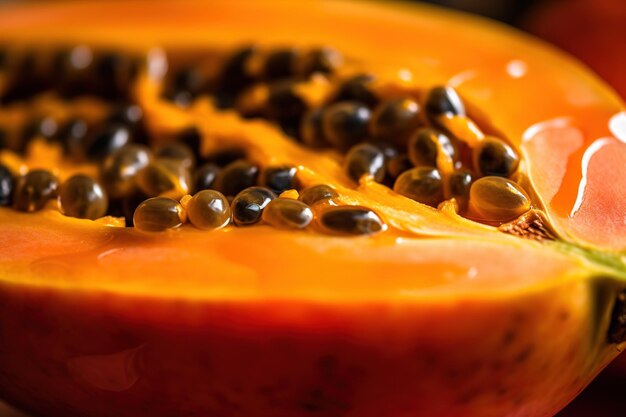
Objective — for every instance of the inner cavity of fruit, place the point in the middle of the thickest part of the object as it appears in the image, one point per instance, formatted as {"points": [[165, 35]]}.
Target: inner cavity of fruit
{"points": [[114, 158]]}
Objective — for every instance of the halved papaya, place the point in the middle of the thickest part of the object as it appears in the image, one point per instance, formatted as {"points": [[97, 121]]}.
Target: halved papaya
{"points": [[503, 299]]}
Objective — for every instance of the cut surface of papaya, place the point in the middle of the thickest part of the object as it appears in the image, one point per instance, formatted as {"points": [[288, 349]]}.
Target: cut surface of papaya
{"points": [[365, 211]]}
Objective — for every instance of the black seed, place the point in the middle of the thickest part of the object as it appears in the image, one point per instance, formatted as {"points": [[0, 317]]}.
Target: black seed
{"points": [[226, 156], [24, 80], [121, 168], [126, 114], [126, 206], [208, 210], [73, 135], [248, 205], [317, 193], [357, 88], [425, 145], [496, 158], [178, 152], [394, 120], [106, 140], [323, 60], [280, 64], [388, 149], [444, 100], [284, 213], [283, 102], [346, 123], [191, 137], [114, 73], [45, 127], [234, 76], [71, 70], [460, 184], [34, 190], [236, 177], [398, 165], [158, 214], [187, 80], [81, 196], [351, 220], [164, 176], [311, 132], [131, 116], [422, 184], [205, 176], [279, 178], [290, 127], [365, 159], [7, 183]]}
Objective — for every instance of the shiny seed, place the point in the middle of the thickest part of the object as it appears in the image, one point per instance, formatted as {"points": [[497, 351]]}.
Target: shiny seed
{"points": [[460, 183], [236, 177], [493, 157], [158, 214], [425, 145], [7, 183], [498, 199], [422, 184], [164, 177], [346, 123], [82, 197], [45, 127], [444, 100], [279, 178], [34, 190], [394, 120], [284, 213], [398, 165], [357, 88], [127, 114], [208, 210], [115, 72], [234, 75], [311, 132], [351, 220], [316, 193], [178, 152], [107, 140], [280, 64], [73, 135], [365, 159], [120, 169], [204, 177], [226, 156], [191, 137], [284, 103], [247, 207]]}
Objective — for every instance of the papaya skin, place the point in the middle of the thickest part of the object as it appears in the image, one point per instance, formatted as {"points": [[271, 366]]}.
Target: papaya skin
{"points": [[439, 316]]}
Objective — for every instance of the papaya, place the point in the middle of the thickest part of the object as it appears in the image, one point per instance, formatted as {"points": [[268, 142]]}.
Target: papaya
{"points": [[322, 208]]}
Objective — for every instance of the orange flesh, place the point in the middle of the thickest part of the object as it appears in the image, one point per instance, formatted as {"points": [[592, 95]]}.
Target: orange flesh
{"points": [[130, 316]]}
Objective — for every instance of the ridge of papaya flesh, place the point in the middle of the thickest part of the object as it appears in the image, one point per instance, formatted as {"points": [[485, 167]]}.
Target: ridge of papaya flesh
{"points": [[49, 250]]}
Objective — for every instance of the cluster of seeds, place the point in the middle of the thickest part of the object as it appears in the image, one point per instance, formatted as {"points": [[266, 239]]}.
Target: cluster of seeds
{"points": [[423, 144]]}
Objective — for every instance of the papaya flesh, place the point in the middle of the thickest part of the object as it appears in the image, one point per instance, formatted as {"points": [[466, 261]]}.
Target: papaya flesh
{"points": [[438, 313]]}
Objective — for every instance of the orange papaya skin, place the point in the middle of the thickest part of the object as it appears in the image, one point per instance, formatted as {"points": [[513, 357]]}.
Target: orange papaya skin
{"points": [[435, 318]]}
